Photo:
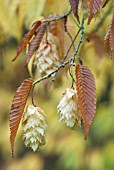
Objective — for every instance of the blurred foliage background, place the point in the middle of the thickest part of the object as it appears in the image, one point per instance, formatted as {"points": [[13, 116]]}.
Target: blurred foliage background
{"points": [[65, 149]]}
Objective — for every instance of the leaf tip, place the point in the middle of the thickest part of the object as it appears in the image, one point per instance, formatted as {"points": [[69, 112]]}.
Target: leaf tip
{"points": [[86, 136], [12, 154], [14, 59]]}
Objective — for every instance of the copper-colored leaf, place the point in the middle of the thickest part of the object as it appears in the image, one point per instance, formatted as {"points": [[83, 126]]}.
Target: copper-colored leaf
{"points": [[27, 38], [74, 6], [109, 38], [90, 4], [57, 29], [105, 3], [86, 91], [94, 7], [17, 108], [98, 44], [34, 44]]}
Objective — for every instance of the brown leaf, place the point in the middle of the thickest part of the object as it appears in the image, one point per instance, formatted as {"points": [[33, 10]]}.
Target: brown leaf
{"points": [[109, 38], [17, 108], [86, 91], [98, 44], [90, 4], [57, 29], [94, 7], [105, 3], [27, 38], [34, 44], [74, 6]]}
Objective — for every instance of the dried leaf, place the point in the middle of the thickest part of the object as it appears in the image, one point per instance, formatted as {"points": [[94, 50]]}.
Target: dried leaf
{"points": [[57, 29], [98, 44], [34, 44], [86, 91], [105, 3], [94, 7], [90, 4], [17, 108], [27, 38], [109, 38], [74, 6]]}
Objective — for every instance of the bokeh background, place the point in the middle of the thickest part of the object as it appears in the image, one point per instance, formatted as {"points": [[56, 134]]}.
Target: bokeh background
{"points": [[65, 149]]}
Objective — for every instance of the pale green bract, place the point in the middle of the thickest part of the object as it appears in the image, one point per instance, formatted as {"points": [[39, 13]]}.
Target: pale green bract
{"points": [[34, 127], [68, 109], [47, 58]]}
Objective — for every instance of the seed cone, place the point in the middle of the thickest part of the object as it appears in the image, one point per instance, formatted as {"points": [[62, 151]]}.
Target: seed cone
{"points": [[34, 127], [68, 109], [47, 57]]}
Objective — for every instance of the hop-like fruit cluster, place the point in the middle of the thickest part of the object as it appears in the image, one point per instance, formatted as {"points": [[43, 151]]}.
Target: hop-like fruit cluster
{"points": [[47, 57], [34, 127], [68, 109]]}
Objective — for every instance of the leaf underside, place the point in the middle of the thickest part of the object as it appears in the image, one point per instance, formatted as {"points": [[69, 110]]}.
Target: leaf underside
{"points": [[17, 108], [27, 38], [34, 44], [57, 29], [86, 91]]}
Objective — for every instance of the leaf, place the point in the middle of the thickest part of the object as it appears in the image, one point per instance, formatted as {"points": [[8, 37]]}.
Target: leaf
{"points": [[34, 44], [98, 44], [27, 38], [17, 108], [57, 29], [94, 7], [86, 91], [109, 38], [105, 3], [90, 4], [74, 6]]}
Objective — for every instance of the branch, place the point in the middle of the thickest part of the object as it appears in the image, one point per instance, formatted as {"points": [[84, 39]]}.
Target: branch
{"points": [[71, 44], [72, 59], [85, 34], [55, 18], [66, 30]]}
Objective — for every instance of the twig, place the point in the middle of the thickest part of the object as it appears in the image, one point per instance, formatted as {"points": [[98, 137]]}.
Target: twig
{"points": [[85, 34], [71, 44], [62, 64], [71, 74], [80, 42], [65, 63], [55, 18], [66, 30]]}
